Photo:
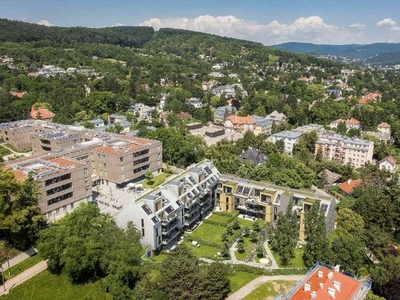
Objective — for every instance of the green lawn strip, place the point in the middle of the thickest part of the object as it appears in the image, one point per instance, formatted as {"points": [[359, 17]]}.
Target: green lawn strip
{"points": [[218, 218], [4, 151], [156, 181], [269, 289], [240, 279], [160, 257], [209, 232], [46, 286], [22, 266], [296, 262], [203, 251]]}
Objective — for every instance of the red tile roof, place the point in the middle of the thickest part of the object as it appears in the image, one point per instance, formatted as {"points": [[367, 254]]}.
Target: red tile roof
{"points": [[371, 97], [18, 94], [184, 115], [349, 185], [384, 125], [343, 287], [236, 120], [348, 121], [41, 113]]}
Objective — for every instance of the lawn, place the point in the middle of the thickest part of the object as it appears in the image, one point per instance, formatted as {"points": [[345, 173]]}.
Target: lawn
{"points": [[219, 218], [209, 232], [240, 279], [269, 289], [156, 181], [4, 151], [46, 286], [22, 266], [247, 244], [296, 262], [160, 257], [203, 250], [248, 223]]}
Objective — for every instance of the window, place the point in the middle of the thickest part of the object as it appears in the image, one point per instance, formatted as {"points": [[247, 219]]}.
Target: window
{"points": [[142, 222], [85, 171], [142, 232]]}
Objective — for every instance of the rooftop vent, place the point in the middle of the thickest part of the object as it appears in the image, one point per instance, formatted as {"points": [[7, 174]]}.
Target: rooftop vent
{"points": [[321, 285], [336, 285], [307, 287], [336, 268], [330, 275], [320, 274], [332, 292], [313, 294]]}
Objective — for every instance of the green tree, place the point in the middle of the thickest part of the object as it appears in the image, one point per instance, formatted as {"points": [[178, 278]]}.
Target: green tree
{"points": [[180, 274], [149, 176], [215, 282], [240, 246], [349, 253], [280, 145], [349, 223]]}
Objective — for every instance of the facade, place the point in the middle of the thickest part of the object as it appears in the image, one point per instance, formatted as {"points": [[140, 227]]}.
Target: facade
{"points": [[222, 112], [229, 90], [265, 201], [350, 124], [195, 102], [52, 140], [239, 124], [326, 282], [346, 150], [163, 214], [263, 125], [388, 164], [276, 117], [18, 134], [289, 137]]}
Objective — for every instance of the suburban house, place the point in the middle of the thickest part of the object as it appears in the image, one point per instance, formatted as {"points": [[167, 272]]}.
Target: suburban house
{"points": [[254, 155], [222, 112], [350, 124], [326, 282], [98, 123], [371, 97], [336, 93], [41, 113], [382, 133], [276, 117], [263, 125], [239, 124], [346, 150], [196, 102], [183, 115], [289, 137], [347, 187], [388, 164], [207, 85], [229, 90], [384, 128], [263, 200], [328, 177]]}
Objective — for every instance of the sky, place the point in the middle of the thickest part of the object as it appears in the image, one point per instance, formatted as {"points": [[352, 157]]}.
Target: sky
{"points": [[267, 21]]}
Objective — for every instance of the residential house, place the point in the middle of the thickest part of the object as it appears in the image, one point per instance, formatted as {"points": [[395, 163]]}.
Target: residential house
{"points": [[263, 125], [196, 102], [326, 282], [336, 93], [216, 74], [319, 129], [222, 112], [276, 117], [239, 124], [384, 128], [265, 201], [98, 124], [113, 119], [18, 95], [347, 187], [346, 150], [184, 115], [388, 164], [350, 124], [328, 177], [142, 111], [290, 138], [207, 85], [229, 90], [383, 133], [254, 155], [41, 113], [371, 97]]}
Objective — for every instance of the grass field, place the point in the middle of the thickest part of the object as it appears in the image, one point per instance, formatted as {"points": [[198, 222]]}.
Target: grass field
{"points": [[296, 262], [240, 279], [219, 218], [203, 250], [156, 181], [4, 151], [46, 286], [247, 245], [269, 289], [22, 266], [209, 232]]}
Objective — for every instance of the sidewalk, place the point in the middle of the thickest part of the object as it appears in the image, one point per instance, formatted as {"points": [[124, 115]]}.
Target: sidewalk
{"points": [[248, 288], [19, 258], [24, 276]]}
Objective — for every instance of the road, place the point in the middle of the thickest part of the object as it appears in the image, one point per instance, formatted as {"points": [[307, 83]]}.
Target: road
{"points": [[248, 288], [24, 276]]}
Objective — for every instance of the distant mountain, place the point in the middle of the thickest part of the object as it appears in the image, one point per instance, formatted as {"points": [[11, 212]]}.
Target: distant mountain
{"points": [[351, 51]]}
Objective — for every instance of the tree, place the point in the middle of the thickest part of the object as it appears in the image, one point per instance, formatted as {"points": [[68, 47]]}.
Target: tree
{"points": [[349, 223], [341, 128], [215, 282], [149, 176], [236, 224], [280, 145], [256, 226], [317, 246], [245, 231], [180, 274], [240, 246], [349, 253]]}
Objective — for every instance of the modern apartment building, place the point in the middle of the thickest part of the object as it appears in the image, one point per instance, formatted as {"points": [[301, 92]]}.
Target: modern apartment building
{"points": [[63, 183], [18, 134], [346, 150], [289, 137], [262, 200], [52, 140], [165, 212]]}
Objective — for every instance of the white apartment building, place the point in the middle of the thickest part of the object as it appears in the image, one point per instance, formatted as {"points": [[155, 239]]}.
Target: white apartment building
{"points": [[350, 124], [289, 137], [346, 150]]}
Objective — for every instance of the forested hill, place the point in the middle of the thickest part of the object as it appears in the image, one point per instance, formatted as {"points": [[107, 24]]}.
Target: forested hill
{"points": [[125, 36], [352, 50]]}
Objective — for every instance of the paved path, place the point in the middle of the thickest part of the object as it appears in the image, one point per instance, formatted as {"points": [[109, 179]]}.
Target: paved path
{"points": [[248, 288], [19, 258], [24, 276]]}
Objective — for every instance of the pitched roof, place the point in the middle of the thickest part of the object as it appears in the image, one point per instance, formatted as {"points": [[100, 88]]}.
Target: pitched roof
{"points": [[18, 94], [369, 98], [389, 159], [254, 155], [348, 121], [184, 115], [329, 176], [41, 113], [236, 120], [349, 185], [384, 125]]}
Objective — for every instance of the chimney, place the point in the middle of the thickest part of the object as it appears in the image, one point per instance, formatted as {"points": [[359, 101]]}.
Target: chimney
{"points": [[320, 274], [336, 268], [348, 181], [321, 285], [330, 275], [313, 294], [332, 292], [307, 287], [336, 285]]}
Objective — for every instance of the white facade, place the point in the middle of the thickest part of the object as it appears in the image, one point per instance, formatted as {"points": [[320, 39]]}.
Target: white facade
{"points": [[289, 137], [196, 102]]}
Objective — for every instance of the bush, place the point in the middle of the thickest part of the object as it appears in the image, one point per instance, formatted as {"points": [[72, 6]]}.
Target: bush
{"points": [[262, 271]]}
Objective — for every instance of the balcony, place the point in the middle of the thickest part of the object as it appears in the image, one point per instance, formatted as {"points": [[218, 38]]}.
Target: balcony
{"points": [[171, 226], [170, 237], [168, 220]]}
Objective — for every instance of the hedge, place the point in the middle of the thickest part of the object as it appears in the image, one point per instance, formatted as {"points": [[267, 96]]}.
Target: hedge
{"points": [[204, 242], [262, 271]]}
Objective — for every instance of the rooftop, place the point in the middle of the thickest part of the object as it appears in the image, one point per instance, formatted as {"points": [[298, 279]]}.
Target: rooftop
{"points": [[349, 185], [240, 120], [287, 134]]}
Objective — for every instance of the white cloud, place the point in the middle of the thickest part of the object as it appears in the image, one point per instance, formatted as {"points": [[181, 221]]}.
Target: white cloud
{"points": [[312, 29], [386, 22], [118, 24], [358, 26], [45, 23], [395, 28]]}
